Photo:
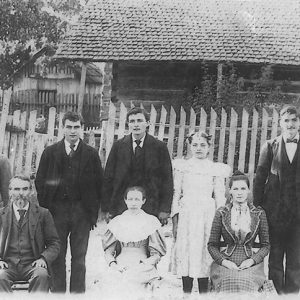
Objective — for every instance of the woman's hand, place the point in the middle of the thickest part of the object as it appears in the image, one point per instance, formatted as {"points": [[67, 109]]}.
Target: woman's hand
{"points": [[229, 264], [247, 264]]}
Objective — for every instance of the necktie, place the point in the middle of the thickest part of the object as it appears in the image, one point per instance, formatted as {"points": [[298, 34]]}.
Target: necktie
{"points": [[138, 149], [72, 152], [292, 141], [22, 215]]}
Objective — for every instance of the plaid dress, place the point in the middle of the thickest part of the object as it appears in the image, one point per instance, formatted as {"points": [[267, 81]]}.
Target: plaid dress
{"points": [[247, 280]]}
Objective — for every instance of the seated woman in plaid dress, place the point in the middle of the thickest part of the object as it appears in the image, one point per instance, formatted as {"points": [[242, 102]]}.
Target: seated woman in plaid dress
{"points": [[238, 268]]}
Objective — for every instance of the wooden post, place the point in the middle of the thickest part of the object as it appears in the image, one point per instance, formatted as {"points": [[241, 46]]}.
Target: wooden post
{"points": [[4, 114], [219, 80], [82, 87]]}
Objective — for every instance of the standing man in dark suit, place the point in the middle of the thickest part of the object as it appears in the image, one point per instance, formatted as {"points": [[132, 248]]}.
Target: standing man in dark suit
{"points": [[277, 190], [28, 241], [138, 159], [69, 182]]}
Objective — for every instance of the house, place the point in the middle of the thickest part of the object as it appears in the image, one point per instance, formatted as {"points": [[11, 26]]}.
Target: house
{"points": [[42, 82], [154, 49]]}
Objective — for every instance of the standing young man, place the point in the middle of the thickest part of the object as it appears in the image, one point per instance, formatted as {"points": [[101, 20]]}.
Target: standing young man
{"points": [[68, 183], [138, 159], [277, 190]]}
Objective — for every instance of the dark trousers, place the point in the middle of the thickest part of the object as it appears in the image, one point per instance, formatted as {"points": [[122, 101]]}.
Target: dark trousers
{"points": [[287, 242], [71, 222], [38, 277]]}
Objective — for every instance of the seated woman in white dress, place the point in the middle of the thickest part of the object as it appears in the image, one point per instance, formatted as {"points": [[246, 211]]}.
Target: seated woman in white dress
{"points": [[199, 188], [133, 243], [238, 268]]}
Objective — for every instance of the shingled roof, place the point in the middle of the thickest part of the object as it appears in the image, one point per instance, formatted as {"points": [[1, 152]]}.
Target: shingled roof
{"points": [[254, 31]]}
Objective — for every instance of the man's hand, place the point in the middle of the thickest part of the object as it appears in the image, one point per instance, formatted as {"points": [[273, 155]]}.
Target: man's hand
{"points": [[163, 217], [229, 265], [93, 226], [106, 216], [3, 265], [247, 264], [40, 263]]}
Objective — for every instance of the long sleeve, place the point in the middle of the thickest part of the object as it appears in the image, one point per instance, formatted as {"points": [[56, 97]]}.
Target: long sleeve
{"points": [[166, 175], [263, 234], [178, 180], [109, 243], [262, 173], [157, 246], [109, 174], [213, 245]]}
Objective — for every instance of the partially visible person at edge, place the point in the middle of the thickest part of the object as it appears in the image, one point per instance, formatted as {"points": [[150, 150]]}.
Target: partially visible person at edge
{"points": [[199, 188], [5, 176], [138, 159], [28, 242], [277, 190], [238, 268], [69, 183], [133, 245]]}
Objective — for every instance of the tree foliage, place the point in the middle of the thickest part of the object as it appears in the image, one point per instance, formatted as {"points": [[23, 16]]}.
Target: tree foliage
{"points": [[28, 25]]}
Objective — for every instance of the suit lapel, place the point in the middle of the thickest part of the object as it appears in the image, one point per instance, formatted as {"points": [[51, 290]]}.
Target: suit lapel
{"points": [[226, 220], [254, 224], [277, 157], [148, 144], [127, 150], [33, 217], [59, 156]]}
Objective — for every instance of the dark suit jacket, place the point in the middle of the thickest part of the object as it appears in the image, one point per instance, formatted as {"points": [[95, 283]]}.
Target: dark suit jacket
{"points": [[49, 176], [221, 226], [158, 176], [267, 184], [43, 236], [5, 176]]}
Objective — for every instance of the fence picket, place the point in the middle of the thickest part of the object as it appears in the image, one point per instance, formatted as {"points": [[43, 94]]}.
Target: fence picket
{"points": [[20, 144], [264, 127], [122, 121], [203, 120], [14, 138], [275, 120], [212, 129], [253, 144], [171, 134], [110, 127], [153, 115], [243, 141], [232, 138], [30, 141], [192, 120], [181, 134], [162, 123], [222, 135]]}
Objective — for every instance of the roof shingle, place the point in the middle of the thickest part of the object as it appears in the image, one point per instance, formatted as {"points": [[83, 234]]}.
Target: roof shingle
{"points": [[257, 31]]}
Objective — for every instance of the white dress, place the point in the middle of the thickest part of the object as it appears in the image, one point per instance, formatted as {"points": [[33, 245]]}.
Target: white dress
{"points": [[199, 189]]}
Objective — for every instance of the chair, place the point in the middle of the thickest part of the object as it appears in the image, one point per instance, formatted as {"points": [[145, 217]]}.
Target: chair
{"points": [[20, 285]]}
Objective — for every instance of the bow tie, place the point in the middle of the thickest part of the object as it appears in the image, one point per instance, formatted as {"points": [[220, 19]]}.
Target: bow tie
{"points": [[292, 141]]}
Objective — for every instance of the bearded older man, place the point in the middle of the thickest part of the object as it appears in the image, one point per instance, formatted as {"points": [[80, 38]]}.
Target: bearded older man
{"points": [[28, 241]]}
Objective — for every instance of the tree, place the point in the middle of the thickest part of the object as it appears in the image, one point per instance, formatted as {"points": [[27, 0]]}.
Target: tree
{"points": [[28, 25]]}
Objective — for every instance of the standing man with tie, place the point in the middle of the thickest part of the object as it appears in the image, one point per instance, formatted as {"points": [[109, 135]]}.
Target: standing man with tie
{"points": [[28, 241], [138, 159], [277, 190], [69, 183]]}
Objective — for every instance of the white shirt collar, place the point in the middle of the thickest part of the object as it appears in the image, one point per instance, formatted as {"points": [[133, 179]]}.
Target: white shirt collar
{"points": [[141, 144], [68, 146], [295, 137], [16, 208]]}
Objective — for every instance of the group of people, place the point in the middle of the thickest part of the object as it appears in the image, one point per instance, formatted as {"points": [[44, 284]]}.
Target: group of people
{"points": [[139, 191]]}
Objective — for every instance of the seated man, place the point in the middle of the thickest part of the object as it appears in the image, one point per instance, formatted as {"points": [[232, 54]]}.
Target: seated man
{"points": [[28, 241]]}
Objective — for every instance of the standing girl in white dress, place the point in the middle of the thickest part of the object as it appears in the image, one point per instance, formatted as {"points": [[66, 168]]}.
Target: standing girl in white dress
{"points": [[199, 189]]}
